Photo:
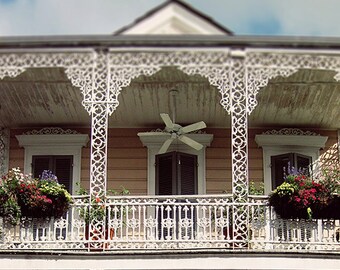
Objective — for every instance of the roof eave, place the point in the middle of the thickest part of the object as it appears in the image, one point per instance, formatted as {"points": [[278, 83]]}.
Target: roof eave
{"points": [[109, 41]]}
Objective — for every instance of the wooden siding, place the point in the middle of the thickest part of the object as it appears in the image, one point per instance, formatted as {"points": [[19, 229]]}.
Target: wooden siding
{"points": [[127, 159], [126, 165]]}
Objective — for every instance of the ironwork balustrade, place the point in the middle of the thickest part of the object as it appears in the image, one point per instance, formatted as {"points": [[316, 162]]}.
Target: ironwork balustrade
{"points": [[171, 223]]}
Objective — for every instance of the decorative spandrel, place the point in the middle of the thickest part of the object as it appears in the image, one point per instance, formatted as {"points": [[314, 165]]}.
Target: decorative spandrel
{"points": [[261, 66]]}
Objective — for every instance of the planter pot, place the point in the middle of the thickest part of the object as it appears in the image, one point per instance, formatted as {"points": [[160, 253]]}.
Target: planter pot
{"points": [[291, 212], [287, 210], [331, 210], [98, 242], [230, 235]]}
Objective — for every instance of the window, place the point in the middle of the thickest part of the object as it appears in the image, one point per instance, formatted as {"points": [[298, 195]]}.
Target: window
{"points": [[154, 143], [61, 166], [176, 174], [280, 164], [50, 145], [287, 145]]}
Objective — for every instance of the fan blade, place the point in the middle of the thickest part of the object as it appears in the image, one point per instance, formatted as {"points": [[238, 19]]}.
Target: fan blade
{"points": [[190, 142], [167, 120], [165, 146], [153, 134], [193, 127]]}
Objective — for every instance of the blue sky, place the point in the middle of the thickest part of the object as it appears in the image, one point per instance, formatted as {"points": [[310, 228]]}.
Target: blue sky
{"points": [[243, 17]]}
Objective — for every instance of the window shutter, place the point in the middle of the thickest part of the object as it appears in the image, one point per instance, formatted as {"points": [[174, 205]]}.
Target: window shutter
{"points": [[279, 166], [63, 170], [303, 162], [176, 174], [187, 174], [165, 174], [39, 164]]}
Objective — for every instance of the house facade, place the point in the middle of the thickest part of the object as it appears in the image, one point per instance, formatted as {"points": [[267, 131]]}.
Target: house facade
{"points": [[89, 109]]}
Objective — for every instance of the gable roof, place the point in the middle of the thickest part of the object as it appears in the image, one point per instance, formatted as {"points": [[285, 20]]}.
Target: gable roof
{"points": [[200, 18]]}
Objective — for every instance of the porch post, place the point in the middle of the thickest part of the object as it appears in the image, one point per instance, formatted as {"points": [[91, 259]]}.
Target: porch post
{"points": [[239, 132], [239, 146], [99, 111], [98, 103]]}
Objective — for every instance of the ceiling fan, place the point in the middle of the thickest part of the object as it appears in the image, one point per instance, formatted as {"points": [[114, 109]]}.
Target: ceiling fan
{"points": [[175, 131]]}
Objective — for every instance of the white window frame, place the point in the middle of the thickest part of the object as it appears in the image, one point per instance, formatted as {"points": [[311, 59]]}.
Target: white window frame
{"points": [[54, 145], [154, 143], [273, 145]]}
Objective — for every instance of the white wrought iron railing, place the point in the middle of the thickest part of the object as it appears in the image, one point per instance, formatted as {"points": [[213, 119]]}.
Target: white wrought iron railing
{"points": [[172, 223]]}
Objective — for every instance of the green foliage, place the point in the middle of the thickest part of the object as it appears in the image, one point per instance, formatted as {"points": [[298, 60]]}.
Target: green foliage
{"points": [[98, 210], [285, 189], [60, 197], [11, 211], [253, 188], [256, 189], [331, 178]]}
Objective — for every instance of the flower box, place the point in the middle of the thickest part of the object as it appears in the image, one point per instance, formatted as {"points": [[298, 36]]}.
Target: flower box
{"points": [[23, 196], [304, 198]]}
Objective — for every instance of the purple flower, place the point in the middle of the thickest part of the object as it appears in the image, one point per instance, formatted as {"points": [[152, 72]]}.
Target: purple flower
{"points": [[47, 175]]}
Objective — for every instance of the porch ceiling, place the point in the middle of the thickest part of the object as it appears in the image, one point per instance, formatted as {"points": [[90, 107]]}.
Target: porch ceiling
{"points": [[307, 98], [45, 97]]}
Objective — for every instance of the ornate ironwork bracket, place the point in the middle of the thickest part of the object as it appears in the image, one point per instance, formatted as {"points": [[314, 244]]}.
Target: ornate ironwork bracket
{"points": [[261, 66]]}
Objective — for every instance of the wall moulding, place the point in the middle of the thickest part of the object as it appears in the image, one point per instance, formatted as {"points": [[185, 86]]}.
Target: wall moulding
{"points": [[291, 140]]}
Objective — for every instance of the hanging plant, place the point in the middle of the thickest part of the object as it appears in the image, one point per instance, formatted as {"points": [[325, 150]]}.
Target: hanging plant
{"points": [[299, 196], [23, 196]]}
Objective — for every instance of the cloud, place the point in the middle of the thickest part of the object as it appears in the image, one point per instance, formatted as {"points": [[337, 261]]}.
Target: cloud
{"points": [[65, 17], [290, 17], [312, 17], [243, 17]]}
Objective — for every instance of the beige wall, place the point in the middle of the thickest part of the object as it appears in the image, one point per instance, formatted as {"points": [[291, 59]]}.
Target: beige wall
{"points": [[127, 159]]}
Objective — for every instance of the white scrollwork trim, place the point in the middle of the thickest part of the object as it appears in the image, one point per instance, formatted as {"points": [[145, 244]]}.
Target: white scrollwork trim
{"points": [[214, 65], [290, 131], [78, 65], [263, 66], [50, 131]]}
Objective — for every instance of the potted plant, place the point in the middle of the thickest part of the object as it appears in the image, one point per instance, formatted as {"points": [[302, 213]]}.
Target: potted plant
{"points": [[23, 196], [331, 179], [300, 196], [60, 197], [98, 211]]}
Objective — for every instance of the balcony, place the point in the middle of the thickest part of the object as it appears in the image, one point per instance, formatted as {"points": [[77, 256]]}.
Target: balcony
{"points": [[149, 223]]}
